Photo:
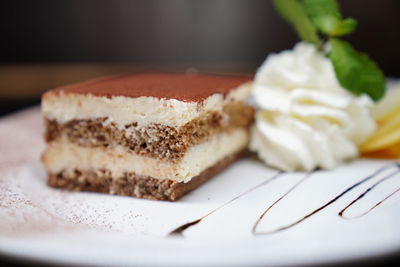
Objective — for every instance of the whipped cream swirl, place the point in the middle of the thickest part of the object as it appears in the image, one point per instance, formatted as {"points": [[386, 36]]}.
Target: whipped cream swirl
{"points": [[306, 119]]}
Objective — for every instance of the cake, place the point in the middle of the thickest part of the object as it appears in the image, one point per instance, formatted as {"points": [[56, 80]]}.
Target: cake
{"points": [[149, 135]]}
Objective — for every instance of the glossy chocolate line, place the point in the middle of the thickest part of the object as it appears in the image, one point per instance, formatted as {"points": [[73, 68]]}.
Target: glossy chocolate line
{"points": [[373, 207], [179, 230], [307, 175], [380, 202], [380, 170], [341, 213]]}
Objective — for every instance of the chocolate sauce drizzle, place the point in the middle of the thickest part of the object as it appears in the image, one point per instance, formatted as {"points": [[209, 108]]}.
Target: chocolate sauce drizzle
{"points": [[341, 213], [379, 171], [179, 230], [307, 175]]}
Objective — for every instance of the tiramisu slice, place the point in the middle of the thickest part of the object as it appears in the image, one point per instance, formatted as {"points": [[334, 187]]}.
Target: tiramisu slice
{"points": [[148, 135]]}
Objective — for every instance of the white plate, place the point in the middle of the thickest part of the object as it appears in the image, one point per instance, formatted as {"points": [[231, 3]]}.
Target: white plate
{"points": [[39, 222]]}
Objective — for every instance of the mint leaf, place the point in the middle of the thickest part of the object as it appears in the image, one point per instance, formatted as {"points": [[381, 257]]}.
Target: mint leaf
{"points": [[322, 7], [293, 11], [355, 71], [346, 26], [325, 16]]}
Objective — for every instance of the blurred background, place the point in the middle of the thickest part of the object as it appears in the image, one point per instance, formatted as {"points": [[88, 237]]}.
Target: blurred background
{"points": [[47, 43]]}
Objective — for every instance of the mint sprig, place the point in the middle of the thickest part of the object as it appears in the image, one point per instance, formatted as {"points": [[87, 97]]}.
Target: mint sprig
{"points": [[325, 16], [313, 19], [294, 12], [356, 71]]}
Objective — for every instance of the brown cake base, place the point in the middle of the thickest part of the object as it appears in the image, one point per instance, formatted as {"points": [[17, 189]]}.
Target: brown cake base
{"points": [[135, 185]]}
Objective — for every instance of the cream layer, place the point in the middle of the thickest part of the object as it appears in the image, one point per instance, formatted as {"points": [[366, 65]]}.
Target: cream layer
{"points": [[142, 110], [62, 155]]}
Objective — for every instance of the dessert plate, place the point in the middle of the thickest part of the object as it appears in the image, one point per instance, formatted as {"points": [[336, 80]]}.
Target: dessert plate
{"points": [[249, 214]]}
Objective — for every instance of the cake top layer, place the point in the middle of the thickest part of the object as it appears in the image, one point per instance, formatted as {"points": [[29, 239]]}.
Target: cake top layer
{"points": [[179, 86]]}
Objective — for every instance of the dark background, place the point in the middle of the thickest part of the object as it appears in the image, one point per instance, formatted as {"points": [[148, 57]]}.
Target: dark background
{"points": [[47, 43], [175, 31]]}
